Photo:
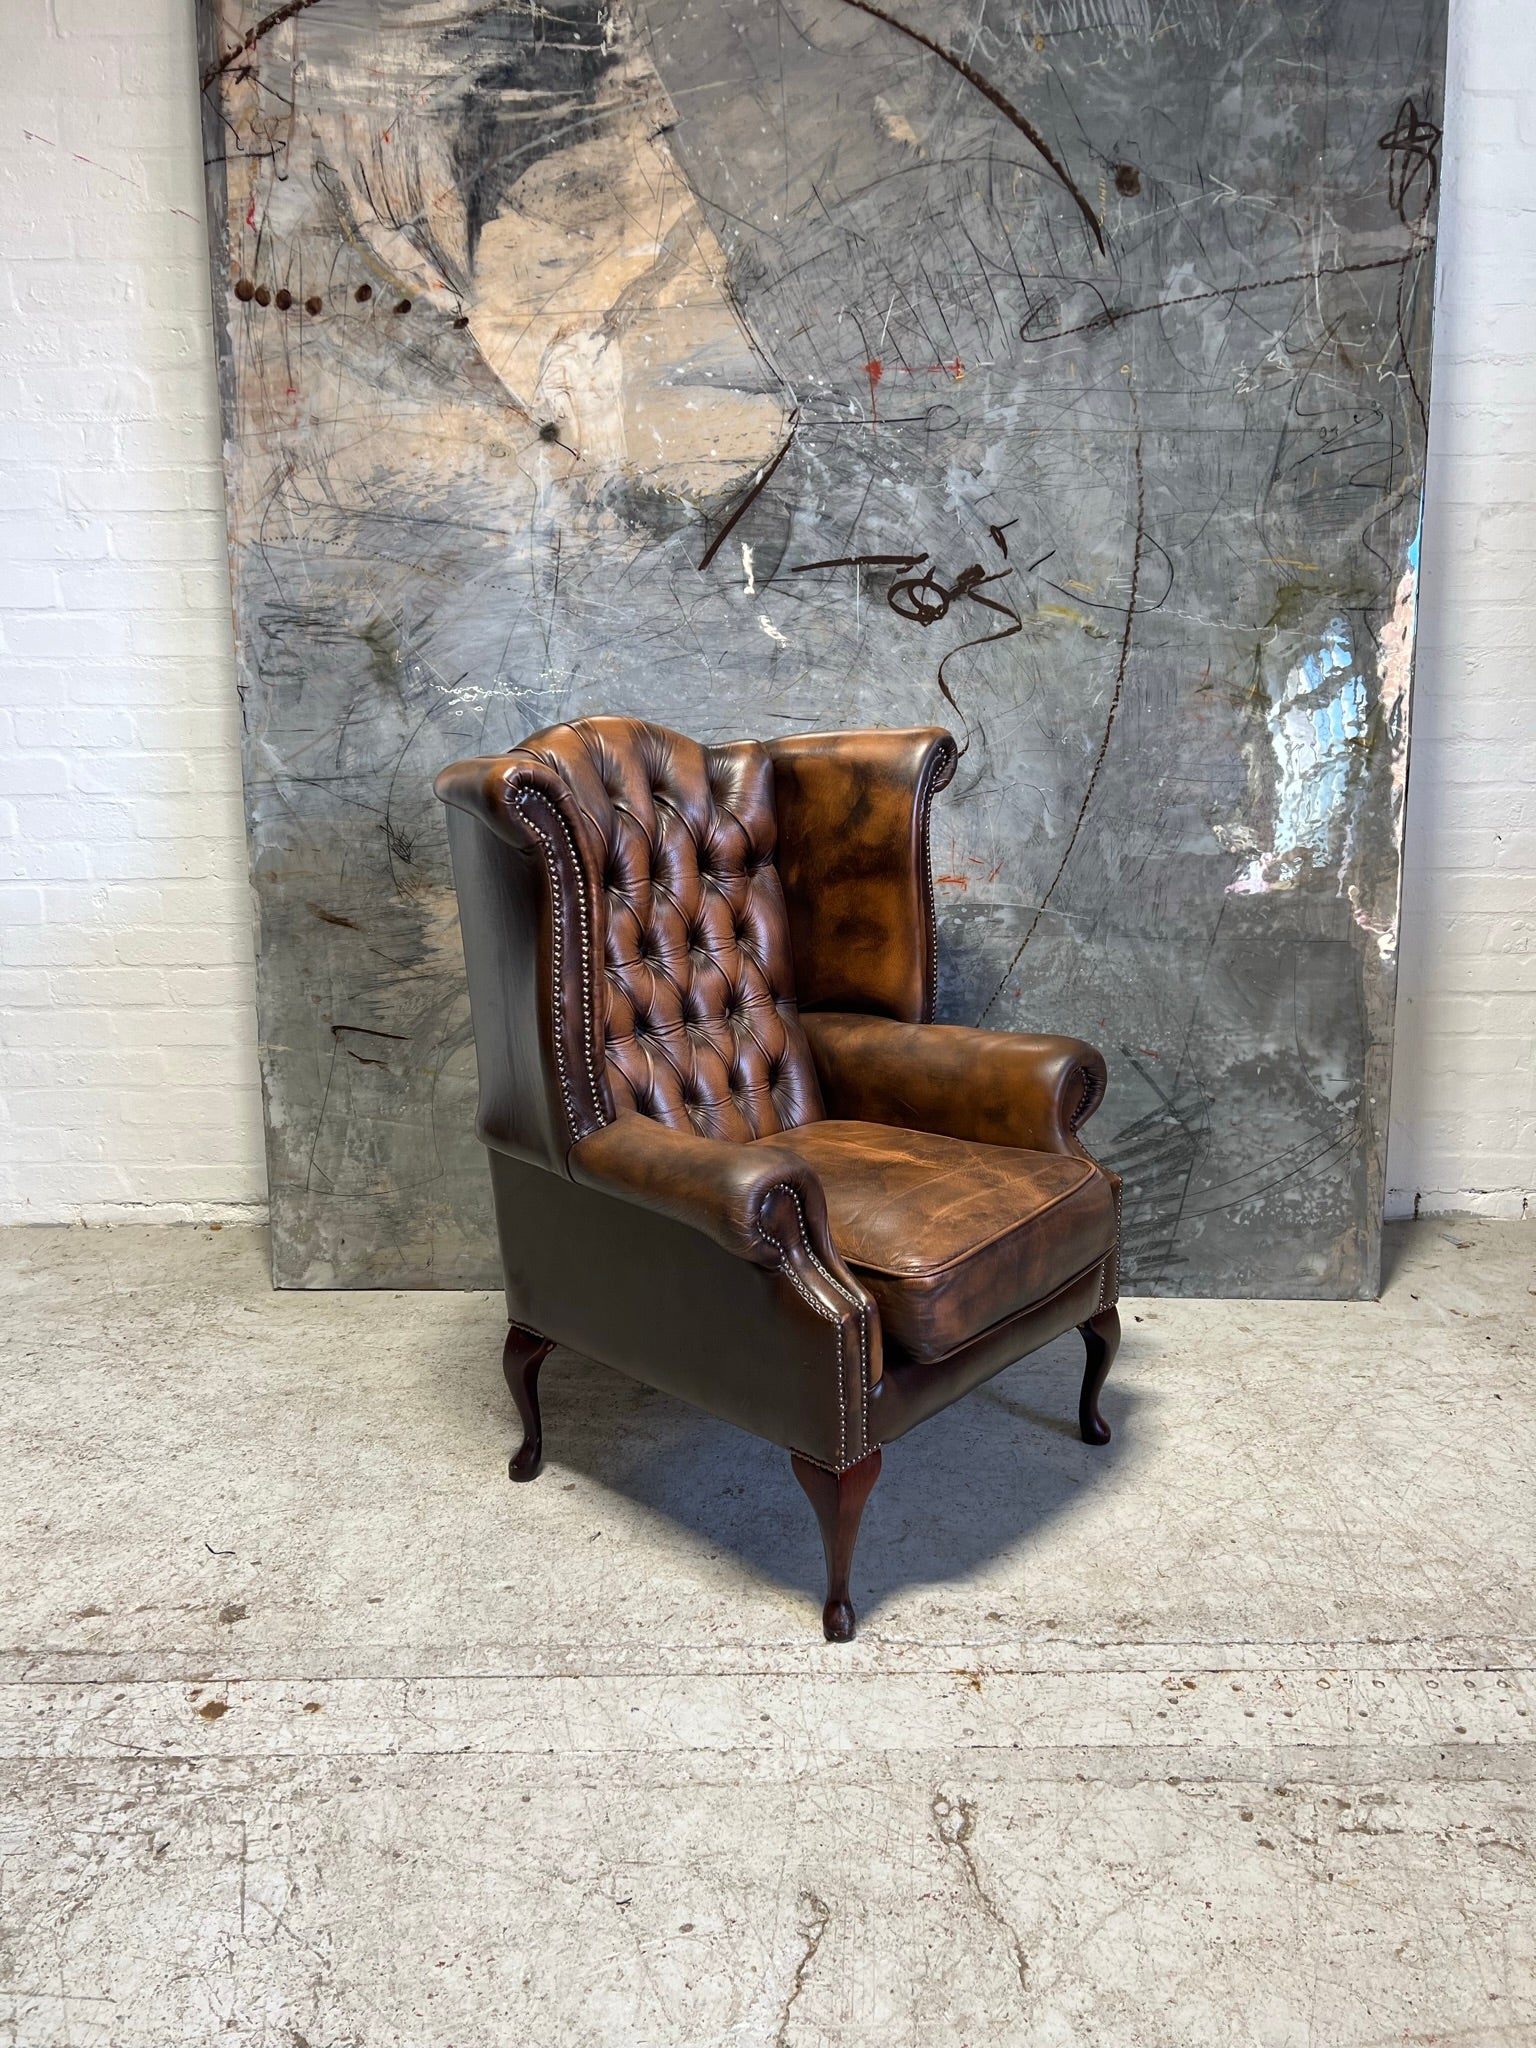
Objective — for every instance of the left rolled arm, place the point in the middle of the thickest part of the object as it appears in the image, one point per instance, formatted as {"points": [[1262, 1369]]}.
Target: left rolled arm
{"points": [[993, 1087]]}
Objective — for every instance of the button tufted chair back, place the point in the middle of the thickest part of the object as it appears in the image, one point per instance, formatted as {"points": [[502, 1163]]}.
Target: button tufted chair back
{"points": [[697, 1020]]}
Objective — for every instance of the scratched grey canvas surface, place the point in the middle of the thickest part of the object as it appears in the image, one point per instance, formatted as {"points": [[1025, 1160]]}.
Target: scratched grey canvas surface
{"points": [[1057, 371]]}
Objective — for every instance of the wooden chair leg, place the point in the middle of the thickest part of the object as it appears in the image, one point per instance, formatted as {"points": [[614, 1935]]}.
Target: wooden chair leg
{"points": [[524, 1353], [1101, 1335], [838, 1498]]}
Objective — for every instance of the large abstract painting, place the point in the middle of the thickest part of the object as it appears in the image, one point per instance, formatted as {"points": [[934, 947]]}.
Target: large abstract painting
{"points": [[1054, 370]]}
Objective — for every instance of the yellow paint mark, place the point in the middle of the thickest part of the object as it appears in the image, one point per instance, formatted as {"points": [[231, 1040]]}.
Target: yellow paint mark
{"points": [[1072, 616], [1285, 562], [896, 124]]}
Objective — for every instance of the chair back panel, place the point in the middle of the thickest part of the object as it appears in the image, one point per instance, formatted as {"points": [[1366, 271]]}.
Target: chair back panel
{"points": [[699, 1026]]}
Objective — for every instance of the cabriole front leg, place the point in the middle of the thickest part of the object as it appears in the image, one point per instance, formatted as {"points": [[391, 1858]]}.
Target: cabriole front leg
{"points": [[524, 1353], [838, 1498], [1101, 1336]]}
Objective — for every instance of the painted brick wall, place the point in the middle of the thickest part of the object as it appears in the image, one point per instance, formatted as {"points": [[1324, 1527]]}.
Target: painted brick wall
{"points": [[1464, 1087], [126, 1010], [125, 921]]}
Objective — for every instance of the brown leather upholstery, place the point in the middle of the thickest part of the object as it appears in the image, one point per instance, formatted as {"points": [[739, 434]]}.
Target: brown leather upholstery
{"points": [[997, 1087], [699, 1023], [822, 1228], [950, 1236], [769, 1344], [670, 984], [911, 1390], [853, 850]]}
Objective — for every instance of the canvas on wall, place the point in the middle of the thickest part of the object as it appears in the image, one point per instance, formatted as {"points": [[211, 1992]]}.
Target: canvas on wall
{"points": [[1054, 371]]}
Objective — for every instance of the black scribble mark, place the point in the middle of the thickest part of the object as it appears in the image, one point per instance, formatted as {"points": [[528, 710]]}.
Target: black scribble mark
{"points": [[860, 562], [1004, 106], [330, 917], [550, 432], [1172, 575], [998, 534], [1113, 315], [215, 1553], [754, 491], [1304, 1160], [1038, 561], [1015, 625], [922, 599], [1412, 149], [815, 1917], [1157, 1154], [263, 27], [368, 1031], [954, 1822], [1405, 353], [352, 232], [1137, 556], [926, 599]]}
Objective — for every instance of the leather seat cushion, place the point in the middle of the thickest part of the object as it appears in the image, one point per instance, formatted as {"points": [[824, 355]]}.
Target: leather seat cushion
{"points": [[950, 1236]]}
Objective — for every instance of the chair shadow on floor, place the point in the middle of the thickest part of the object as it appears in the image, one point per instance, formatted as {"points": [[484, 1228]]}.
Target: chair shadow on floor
{"points": [[972, 1485]]}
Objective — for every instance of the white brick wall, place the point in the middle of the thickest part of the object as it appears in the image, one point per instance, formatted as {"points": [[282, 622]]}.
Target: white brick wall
{"points": [[1464, 1081], [126, 992], [130, 1074]]}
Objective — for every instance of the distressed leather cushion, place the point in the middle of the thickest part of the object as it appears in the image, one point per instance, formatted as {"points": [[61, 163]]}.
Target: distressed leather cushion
{"points": [[950, 1236], [700, 1028]]}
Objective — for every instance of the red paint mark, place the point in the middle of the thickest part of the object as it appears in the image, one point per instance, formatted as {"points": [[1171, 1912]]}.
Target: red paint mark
{"points": [[956, 369], [995, 872], [386, 135], [960, 881], [874, 370], [250, 212]]}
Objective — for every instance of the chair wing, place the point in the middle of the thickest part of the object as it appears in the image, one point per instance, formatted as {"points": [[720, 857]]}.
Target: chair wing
{"points": [[853, 811]]}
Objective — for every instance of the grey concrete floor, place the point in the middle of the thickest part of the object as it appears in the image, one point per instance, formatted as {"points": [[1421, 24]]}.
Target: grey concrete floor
{"points": [[315, 1733]]}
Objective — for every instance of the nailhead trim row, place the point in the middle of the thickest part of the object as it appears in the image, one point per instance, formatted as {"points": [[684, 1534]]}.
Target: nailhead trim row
{"points": [[1089, 1097], [1112, 1263], [940, 759], [854, 1303], [830, 1315], [524, 795]]}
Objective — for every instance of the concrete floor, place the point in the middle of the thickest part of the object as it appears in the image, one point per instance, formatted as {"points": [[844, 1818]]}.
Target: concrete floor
{"points": [[318, 1734]]}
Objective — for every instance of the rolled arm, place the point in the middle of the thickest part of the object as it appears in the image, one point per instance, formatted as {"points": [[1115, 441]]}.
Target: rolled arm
{"points": [[757, 1201], [993, 1087]]}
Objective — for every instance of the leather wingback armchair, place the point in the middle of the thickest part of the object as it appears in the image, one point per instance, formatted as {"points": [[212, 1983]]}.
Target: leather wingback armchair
{"points": [[731, 1154]]}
